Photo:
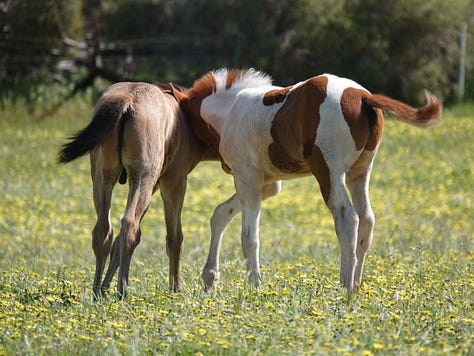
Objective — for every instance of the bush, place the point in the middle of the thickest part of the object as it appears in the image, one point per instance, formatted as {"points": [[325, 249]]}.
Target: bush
{"points": [[394, 47]]}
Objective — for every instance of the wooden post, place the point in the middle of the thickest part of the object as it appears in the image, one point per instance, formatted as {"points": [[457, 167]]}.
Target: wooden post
{"points": [[462, 63]]}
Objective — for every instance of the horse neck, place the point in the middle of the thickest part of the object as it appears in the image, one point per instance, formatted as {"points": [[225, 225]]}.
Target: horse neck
{"points": [[215, 109]]}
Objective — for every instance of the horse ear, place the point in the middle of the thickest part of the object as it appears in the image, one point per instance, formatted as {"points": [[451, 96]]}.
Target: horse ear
{"points": [[180, 97]]}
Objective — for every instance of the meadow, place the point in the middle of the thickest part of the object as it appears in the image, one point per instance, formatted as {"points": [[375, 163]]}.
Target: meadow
{"points": [[418, 291]]}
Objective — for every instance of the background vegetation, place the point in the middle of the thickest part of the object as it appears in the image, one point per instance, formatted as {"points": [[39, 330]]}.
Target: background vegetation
{"points": [[395, 47]]}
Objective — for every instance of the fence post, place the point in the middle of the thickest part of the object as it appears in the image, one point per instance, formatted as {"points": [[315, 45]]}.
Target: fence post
{"points": [[462, 63]]}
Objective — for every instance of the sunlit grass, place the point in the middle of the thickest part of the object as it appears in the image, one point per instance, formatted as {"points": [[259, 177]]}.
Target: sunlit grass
{"points": [[417, 296]]}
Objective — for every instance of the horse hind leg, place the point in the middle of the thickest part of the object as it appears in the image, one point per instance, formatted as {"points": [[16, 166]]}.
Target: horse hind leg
{"points": [[172, 193], [103, 181], [113, 264], [138, 201], [346, 223], [346, 220], [358, 183], [115, 251]]}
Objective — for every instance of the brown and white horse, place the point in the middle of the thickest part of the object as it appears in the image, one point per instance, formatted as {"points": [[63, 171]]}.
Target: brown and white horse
{"points": [[137, 131], [326, 126]]}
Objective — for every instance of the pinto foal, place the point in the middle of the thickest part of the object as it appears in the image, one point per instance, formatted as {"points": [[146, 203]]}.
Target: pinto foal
{"points": [[137, 131], [326, 126]]}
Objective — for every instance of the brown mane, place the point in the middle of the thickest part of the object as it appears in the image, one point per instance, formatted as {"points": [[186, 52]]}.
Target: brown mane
{"points": [[204, 85]]}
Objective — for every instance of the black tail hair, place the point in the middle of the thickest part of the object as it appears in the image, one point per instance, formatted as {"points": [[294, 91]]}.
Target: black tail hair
{"points": [[103, 122]]}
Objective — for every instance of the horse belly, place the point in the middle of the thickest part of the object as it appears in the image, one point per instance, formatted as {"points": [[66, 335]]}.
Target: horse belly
{"points": [[252, 150]]}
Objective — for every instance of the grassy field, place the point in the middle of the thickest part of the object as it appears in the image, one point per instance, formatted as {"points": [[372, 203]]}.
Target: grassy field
{"points": [[417, 296]]}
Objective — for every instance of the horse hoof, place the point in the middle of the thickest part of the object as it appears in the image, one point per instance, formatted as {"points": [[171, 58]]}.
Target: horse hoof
{"points": [[121, 293], [254, 279], [98, 293], [210, 278], [96, 296]]}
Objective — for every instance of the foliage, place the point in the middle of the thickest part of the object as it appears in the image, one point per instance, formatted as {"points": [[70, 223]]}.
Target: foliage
{"points": [[31, 40], [417, 296], [394, 47]]}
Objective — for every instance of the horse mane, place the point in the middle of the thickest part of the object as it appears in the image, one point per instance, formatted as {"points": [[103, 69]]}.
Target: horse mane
{"points": [[241, 78], [224, 79], [204, 85], [166, 87]]}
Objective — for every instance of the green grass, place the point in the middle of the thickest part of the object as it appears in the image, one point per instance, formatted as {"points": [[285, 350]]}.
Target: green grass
{"points": [[417, 296]]}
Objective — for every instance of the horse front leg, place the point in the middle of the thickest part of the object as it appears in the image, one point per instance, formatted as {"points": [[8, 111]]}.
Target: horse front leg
{"points": [[172, 193], [223, 215], [249, 192], [221, 218]]}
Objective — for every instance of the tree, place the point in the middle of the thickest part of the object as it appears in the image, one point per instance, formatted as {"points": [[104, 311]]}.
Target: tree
{"points": [[395, 47], [29, 40]]}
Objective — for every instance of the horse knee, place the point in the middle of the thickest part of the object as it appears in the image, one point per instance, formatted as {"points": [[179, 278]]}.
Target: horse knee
{"points": [[271, 189], [224, 213], [219, 216]]}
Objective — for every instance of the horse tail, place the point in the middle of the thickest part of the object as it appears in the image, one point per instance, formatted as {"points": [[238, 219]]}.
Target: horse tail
{"points": [[107, 116], [426, 116]]}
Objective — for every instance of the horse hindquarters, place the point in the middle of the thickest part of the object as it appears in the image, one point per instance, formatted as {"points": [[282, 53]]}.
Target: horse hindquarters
{"points": [[142, 155]]}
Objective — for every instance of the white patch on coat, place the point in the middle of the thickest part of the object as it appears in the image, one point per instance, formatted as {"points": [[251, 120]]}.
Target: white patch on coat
{"points": [[333, 135], [215, 108], [243, 123]]}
